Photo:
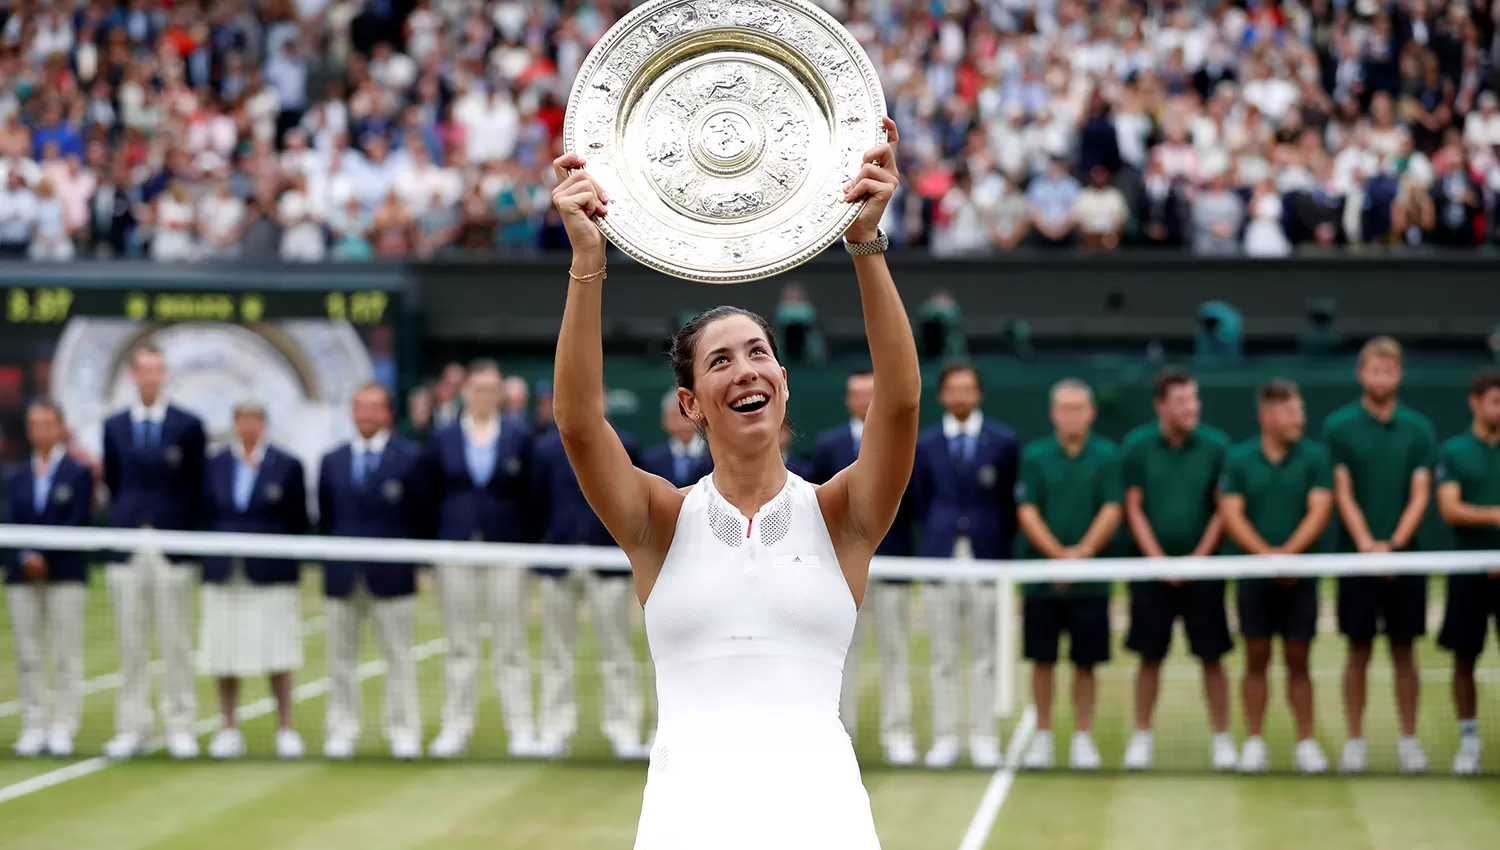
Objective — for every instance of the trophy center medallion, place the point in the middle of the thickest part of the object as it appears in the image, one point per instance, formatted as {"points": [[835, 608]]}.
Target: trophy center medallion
{"points": [[727, 139]]}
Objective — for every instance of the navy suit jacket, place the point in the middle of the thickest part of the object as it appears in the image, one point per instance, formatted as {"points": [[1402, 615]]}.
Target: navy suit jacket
{"points": [[70, 502], [658, 461], [799, 466], [160, 486], [835, 451], [278, 505], [397, 502], [496, 512], [569, 519], [977, 499]]}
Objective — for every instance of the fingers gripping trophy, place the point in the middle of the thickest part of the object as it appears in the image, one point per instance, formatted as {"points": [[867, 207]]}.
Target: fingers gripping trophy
{"points": [[725, 142]]}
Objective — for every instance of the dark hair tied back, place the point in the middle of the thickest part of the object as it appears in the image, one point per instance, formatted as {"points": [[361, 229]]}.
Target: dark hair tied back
{"points": [[684, 350]]}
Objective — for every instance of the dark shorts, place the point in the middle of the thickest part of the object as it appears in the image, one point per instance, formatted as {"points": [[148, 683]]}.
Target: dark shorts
{"points": [[1371, 605], [1268, 609], [1473, 600], [1085, 619], [1155, 607]]}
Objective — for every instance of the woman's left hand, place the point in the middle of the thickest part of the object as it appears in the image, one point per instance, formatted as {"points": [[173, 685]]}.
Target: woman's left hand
{"points": [[874, 184]]}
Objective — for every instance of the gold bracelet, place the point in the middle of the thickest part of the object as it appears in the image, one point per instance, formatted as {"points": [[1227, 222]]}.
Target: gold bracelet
{"points": [[588, 278]]}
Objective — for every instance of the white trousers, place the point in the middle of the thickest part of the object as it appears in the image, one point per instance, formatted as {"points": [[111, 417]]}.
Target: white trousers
{"points": [[493, 596], [393, 629], [611, 598], [960, 612], [50, 614], [149, 584], [886, 612]]}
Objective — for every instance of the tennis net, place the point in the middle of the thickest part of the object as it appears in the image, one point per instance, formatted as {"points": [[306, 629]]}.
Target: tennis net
{"points": [[961, 627]]}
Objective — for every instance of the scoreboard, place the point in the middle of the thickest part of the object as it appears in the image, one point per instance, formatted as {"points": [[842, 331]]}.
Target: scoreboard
{"points": [[44, 305]]}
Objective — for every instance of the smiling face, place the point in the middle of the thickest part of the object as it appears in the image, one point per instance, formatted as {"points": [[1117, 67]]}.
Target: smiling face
{"points": [[738, 388]]}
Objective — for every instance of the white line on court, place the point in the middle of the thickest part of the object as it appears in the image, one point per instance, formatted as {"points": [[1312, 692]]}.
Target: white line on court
{"points": [[259, 708], [110, 681], [994, 795]]}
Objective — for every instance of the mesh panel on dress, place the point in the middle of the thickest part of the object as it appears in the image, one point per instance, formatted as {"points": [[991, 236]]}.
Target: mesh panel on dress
{"points": [[725, 526], [778, 522]]}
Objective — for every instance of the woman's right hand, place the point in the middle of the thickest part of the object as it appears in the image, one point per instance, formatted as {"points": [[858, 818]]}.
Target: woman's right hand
{"points": [[578, 199]]}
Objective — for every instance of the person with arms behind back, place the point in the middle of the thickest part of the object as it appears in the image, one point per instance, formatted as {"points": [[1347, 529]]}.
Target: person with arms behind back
{"points": [[251, 624], [46, 591], [837, 448], [1276, 498], [1170, 469], [1382, 455], [1468, 493], [1068, 501], [153, 467], [963, 491], [752, 578]]}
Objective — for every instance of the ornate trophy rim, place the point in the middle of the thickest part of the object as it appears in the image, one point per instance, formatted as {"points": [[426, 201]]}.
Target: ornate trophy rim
{"points": [[830, 232]]}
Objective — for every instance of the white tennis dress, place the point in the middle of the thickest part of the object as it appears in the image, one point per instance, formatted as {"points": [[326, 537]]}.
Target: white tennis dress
{"points": [[749, 623]]}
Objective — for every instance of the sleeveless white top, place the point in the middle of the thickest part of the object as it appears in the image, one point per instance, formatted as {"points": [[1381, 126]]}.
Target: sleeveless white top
{"points": [[749, 623]]}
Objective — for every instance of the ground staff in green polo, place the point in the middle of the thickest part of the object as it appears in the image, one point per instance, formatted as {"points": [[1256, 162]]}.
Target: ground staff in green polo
{"points": [[1382, 454], [1468, 492], [1276, 498], [1068, 499], [1171, 471]]}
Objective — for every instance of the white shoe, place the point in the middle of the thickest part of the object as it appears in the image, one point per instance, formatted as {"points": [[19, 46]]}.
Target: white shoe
{"points": [[1138, 751], [1040, 752], [901, 751], [32, 743], [1356, 756], [944, 753], [628, 750], [1466, 762], [227, 744], [1083, 754], [406, 747], [1225, 754], [984, 751], [1254, 758], [1309, 757], [448, 745], [552, 748], [123, 746], [289, 744], [339, 748], [1411, 756], [523, 746], [60, 743], [181, 746]]}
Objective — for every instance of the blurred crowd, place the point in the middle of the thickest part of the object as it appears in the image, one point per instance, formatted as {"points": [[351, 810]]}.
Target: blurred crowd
{"points": [[359, 129]]}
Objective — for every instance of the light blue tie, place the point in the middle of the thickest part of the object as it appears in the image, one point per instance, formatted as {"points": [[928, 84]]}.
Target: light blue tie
{"points": [[683, 470], [43, 485], [372, 462]]}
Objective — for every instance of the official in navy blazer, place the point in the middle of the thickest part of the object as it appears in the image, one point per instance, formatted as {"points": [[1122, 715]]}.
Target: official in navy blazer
{"points": [[252, 623], [611, 595], [153, 467], [47, 589], [375, 486], [888, 603], [963, 493], [481, 467], [683, 459], [797, 465]]}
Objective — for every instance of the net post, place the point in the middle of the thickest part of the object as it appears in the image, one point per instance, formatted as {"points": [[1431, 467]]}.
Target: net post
{"points": [[1005, 644]]}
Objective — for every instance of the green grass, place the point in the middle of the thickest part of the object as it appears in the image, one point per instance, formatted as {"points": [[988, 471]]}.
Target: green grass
{"points": [[592, 802]]}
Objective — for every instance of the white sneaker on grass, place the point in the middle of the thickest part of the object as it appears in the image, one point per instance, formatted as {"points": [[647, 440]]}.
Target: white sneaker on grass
{"points": [[984, 751], [289, 744], [1225, 754], [1410, 756], [338, 748], [944, 753], [32, 743], [1356, 756], [123, 746], [1254, 757], [227, 743], [182, 746], [900, 751], [1082, 753], [60, 743], [448, 745], [1309, 757], [1138, 751], [1040, 752], [1466, 761]]}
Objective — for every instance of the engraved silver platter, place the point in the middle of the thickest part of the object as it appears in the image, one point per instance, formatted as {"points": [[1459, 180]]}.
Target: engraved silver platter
{"points": [[723, 132]]}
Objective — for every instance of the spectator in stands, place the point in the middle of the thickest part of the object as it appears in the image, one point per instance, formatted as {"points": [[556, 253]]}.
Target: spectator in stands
{"points": [[1276, 499], [1068, 497], [447, 399], [250, 624], [1159, 208], [50, 239], [1457, 200], [962, 492], [300, 217], [516, 397], [1264, 236], [888, 606], [1101, 212], [173, 227], [1468, 495], [1051, 197], [18, 214], [1218, 214], [153, 467], [351, 228], [482, 469], [1170, 469], [46, 591], [1382, 455], [222, 219], [373, 486]]}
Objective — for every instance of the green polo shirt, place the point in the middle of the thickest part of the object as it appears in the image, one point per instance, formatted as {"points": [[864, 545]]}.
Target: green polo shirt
{"points": [[1275, 493], [1069, 492], [1178, 483], [1381, 458], [1475, 466]]}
